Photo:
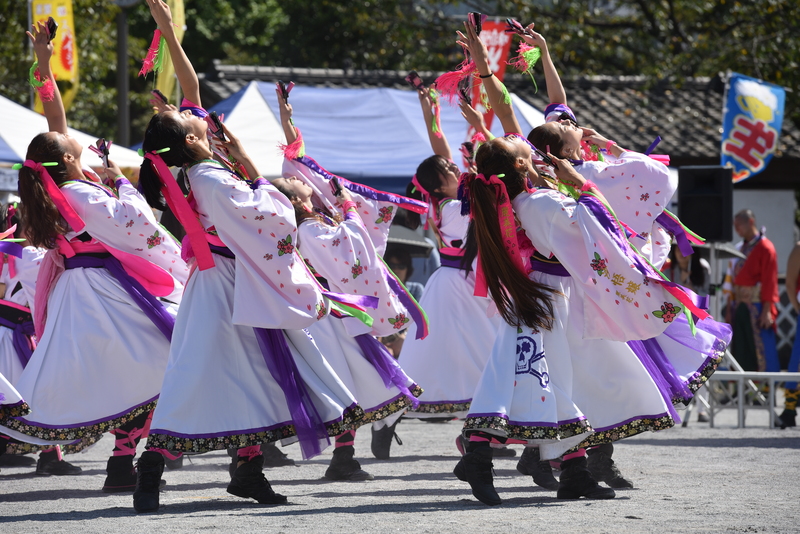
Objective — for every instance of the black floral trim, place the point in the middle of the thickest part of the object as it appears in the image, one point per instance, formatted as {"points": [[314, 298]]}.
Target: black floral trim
{"points": [[494, 423], [400, 403], [444, 407], [17, 410], [350, 420], [701, 377], [83, 436], [19, 447], [629, 429]]}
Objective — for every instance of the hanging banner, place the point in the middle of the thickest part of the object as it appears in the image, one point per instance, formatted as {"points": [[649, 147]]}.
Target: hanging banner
{"points": [[64, 62], [498, 44], [751, 125]]}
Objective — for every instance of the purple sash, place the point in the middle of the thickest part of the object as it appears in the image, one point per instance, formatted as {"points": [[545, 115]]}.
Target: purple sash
{"points": [[556, 269], [390, 371], [308, 424], [21, 332], [150, 305]]}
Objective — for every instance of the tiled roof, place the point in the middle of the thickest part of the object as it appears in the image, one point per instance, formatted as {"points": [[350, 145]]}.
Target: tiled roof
{"points": [[628, 109]]}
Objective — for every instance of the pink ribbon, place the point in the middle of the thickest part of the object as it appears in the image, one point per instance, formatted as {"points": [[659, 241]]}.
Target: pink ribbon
{"points": [[185, 214], [508, 231], [64, 207]]}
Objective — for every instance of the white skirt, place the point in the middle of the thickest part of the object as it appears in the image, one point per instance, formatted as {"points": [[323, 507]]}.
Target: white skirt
{"points": [[99, 363], [11, 402], [449, 362], [346, 358], [10, 364], [218, 392]]}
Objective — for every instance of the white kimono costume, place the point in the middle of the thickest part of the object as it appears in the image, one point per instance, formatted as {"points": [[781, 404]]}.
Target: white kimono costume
{"points": [[219, 391], [100, 360], [450, 361], [20, 289], [540, 386]]}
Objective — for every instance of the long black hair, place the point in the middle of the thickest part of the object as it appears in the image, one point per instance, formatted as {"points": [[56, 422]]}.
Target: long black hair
{"points": [[162, 132], [429, 175]]}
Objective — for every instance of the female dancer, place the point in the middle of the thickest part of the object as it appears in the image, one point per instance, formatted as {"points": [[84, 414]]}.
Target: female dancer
{"points": [[103, 335], [241, 369], [680, 361], [341, 250]]}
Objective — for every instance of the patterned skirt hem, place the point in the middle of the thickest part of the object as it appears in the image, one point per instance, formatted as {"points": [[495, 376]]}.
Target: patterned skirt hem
{"points": [[443, 407], [495, 424], [701, 377], [80, 437], [629, 429], [17, 410], [401, 402], [350, 419]]}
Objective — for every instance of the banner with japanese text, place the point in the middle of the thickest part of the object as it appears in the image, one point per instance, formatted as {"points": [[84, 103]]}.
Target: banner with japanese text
{"points": [[751, 125], [64, 63]]}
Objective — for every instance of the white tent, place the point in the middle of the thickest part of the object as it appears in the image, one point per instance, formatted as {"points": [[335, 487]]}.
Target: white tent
{"points": [[374, 135], [19, 125]]}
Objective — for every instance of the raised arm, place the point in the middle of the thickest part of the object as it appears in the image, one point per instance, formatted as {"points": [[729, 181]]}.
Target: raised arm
{"points": [[53, 109], [187, 77], [474, 118], [286, 110], [494, 87], [555, 90], [438, 142]]}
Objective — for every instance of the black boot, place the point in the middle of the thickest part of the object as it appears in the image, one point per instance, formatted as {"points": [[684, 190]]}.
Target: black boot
{"points": [[786, 419], [603, 469], [576, 482], [273, 457], [248, 481], [382, 441], [149, 469], [530, 464], [475, 468], [49, 464], [121, 477], [345, 467]]}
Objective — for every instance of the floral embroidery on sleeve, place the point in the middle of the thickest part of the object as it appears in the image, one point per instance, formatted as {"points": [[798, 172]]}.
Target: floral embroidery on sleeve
{"points": [[599, 264], [668, 312], [399, 321], [385, 214], [154, 240], [357, 269], [285, 246]]}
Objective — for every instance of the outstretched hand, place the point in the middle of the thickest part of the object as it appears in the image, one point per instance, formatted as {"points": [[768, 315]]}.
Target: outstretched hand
{"points": [[594, 138], [284, 106], [534, 39], [159, 106], [473, 117], [161, 13], [473, 44], [566, 173], [40, 39]]}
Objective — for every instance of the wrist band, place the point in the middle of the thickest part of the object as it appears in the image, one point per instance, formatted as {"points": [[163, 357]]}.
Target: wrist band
{"points": [[347, 206], [482, 77], [609, 144], [117, 177], [588, 185]]}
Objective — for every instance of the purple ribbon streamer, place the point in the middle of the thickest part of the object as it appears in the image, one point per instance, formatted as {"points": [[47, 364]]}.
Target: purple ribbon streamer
{"points": [[363, 301], [390, 371], [363, 190], [409, 303], [680, 332], [308, 424], [150, 305], [11, 248], [21, 333], [673, 227], [653, 145], [638, 348]]}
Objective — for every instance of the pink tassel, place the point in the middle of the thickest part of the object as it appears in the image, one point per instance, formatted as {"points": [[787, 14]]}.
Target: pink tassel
{"points": [[47, 92], [663, 158], [296, 149], [447, 83], [149, 60]]}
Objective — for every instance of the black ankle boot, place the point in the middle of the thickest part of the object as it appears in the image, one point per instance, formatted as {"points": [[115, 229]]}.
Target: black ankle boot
{"points": [[248, 481], [603, 469], [540, 470], [382, 441], [345, 467], [273, 457], [475, 468], [49, 464], [576, 482], [149, 469], [121, 477], [786, 419]]}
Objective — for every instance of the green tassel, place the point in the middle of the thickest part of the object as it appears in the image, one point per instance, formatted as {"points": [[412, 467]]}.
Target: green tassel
{"points": [[506, 96], [531, 58], [32, 76], [158, 63]]}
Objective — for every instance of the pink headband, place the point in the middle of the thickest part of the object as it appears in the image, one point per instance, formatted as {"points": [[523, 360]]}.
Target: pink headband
{"points": [[185, 214]]}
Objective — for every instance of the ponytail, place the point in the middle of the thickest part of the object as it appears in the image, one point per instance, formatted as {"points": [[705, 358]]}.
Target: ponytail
{"points": [[423, 187], [42, 221]]}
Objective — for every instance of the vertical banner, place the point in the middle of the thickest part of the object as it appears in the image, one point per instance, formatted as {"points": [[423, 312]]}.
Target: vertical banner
{"points": [[65, 49], [498, 44], [165, 81], [751, 125]]}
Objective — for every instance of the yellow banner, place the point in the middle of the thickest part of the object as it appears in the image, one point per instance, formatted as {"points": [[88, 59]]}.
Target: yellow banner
{"points": [[64, 62], [165, 82]]}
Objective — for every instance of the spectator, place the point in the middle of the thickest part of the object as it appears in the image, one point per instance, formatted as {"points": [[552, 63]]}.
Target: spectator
{"points": [[791, 391], [399, 261]]}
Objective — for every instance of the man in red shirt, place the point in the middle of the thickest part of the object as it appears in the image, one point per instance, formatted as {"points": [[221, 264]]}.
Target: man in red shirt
{"points": [[755, 296]]}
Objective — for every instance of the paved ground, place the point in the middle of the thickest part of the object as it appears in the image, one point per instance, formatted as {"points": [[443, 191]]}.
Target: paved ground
{"points": [[694, 479]]}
